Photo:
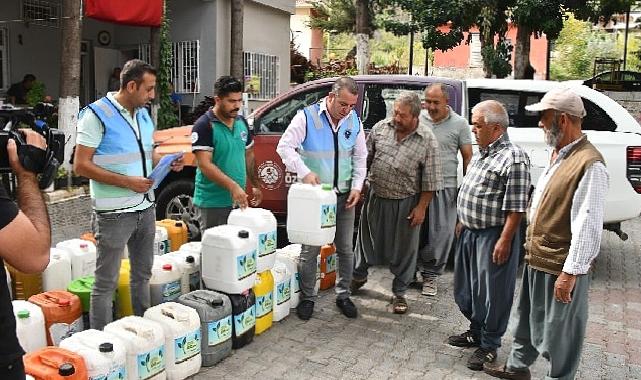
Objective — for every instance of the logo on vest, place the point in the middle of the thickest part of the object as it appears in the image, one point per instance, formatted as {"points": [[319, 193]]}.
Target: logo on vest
{"points": [[243, 136], [194, 137], [270, 174], [348, 133]]}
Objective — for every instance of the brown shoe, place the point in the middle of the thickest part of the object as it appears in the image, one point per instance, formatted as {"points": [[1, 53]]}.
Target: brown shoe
{"points": [[503, 372]]}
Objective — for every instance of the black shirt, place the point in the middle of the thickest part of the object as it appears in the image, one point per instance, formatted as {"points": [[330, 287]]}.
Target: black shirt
{"points": [[9, 347], [19, 91]]}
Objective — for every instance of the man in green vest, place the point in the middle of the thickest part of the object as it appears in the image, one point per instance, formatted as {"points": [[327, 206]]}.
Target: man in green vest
{"points": [[224, 149], [563, 238]]}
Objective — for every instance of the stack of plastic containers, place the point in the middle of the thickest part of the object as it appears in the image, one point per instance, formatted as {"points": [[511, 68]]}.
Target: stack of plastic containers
{"points": [[62, 312], [83, 256], [214, 310]]}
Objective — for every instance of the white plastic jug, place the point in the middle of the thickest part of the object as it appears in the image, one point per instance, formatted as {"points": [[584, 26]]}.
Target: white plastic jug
{"points": [[57, 275], [291, 262], [229, 259], [263, 223], [282, 290], [6, 271], [181, 326], [165, 283], [189, 265], [83, 257], [192, 246], [30, 325], [311, 214], [144, 340], [161, 241], [104, 354]]}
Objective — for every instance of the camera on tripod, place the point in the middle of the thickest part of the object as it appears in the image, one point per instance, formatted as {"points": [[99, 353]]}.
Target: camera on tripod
{"points": [[43, 162]]}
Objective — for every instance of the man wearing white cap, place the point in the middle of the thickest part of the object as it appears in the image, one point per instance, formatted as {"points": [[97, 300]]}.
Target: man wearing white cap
{"points": [[563, 238]]}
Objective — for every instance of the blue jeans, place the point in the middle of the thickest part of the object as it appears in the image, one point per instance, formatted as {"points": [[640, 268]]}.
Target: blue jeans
{"points": [[113, 231]]}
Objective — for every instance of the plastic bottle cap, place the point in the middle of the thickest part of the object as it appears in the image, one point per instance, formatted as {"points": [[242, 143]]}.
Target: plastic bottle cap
{"points": [[64, 302], [190, 259], [23, 314], [243, 234], [66, 369], [166, 267], [106, 347], [326, 186]]}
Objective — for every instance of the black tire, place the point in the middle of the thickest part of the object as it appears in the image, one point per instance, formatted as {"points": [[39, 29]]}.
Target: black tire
{"points": [[175, 201]]}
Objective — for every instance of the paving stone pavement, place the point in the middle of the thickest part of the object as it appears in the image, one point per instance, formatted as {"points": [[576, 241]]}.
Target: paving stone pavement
{"points": [[382, 345]]}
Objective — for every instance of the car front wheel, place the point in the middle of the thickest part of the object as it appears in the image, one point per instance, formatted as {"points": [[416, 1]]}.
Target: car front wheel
{"points": [[175, 201]]}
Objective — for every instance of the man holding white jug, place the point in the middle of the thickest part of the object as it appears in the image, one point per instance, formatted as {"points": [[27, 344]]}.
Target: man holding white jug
{"points": [[325, 143]]}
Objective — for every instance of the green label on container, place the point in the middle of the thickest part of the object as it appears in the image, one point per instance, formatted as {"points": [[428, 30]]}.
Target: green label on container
{"points": [[187, 346], [218, 331], [264, 305], [151, 363], [283, 291], [330, 265], [171, 291], [328, 216], [266, 243], [244, 321], [246, 264]]}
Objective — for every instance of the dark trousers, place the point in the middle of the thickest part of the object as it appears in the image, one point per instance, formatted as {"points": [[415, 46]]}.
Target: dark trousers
{"points": [[13, 371], [483, 290]]}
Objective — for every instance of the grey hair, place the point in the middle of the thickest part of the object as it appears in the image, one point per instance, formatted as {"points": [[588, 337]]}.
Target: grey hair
{"points": [[411, 99], [442, 87], [493, 112], [346, 83]]}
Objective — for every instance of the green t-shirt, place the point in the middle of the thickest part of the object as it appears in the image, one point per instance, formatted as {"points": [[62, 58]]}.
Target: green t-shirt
{"points": [[228, 154]]}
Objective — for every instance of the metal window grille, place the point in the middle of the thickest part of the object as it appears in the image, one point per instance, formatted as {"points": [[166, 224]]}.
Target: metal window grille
{"points": [[476, 59], [261, 75], [4, 61], [185, 65], [41, 12]]}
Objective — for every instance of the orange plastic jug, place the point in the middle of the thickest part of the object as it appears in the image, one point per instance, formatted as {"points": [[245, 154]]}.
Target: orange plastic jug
{"points": [[54, 363], [24, 285], [89, 236], [177, 231], [63, 314], [123, 297], [328, 266]]}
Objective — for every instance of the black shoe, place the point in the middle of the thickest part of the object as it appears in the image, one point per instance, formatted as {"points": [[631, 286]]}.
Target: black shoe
{"points": [[305, 309], [347, 307], [480, 357], [356, 284], [503, 372], [464, 340]]}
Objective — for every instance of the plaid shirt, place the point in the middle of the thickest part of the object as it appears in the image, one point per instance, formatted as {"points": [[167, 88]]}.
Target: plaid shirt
{"points": [[398, 170], [497, 181]]}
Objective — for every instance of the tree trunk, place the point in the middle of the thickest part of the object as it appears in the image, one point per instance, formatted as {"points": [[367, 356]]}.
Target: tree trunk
{"points": [[522, 53], [236, 59], [154, 57], [69, 103], [362, 36]]}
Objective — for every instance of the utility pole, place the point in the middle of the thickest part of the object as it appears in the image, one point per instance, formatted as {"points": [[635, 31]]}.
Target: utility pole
{"points": [[236, 66]]}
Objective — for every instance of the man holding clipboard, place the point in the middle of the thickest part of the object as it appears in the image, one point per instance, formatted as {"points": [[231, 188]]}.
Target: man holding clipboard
{"points": [[114, 149]]}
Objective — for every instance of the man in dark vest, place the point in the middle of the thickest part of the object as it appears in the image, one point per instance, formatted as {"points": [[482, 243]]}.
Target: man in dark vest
{"points": [[24, 228], [563, 238]]}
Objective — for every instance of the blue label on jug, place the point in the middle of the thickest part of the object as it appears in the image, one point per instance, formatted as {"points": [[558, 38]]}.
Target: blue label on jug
{"points": [[118, 373], [194, 281], [218, 331], [330, 265], [328, 216], [296, 283], [187, 346], [151, 363], [171, 291], [266, 243], [244, 321], [283, 292], [246, 265], [264, 305]]}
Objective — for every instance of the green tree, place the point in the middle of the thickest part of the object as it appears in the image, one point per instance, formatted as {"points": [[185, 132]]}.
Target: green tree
{"points": [[166, 116]]}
